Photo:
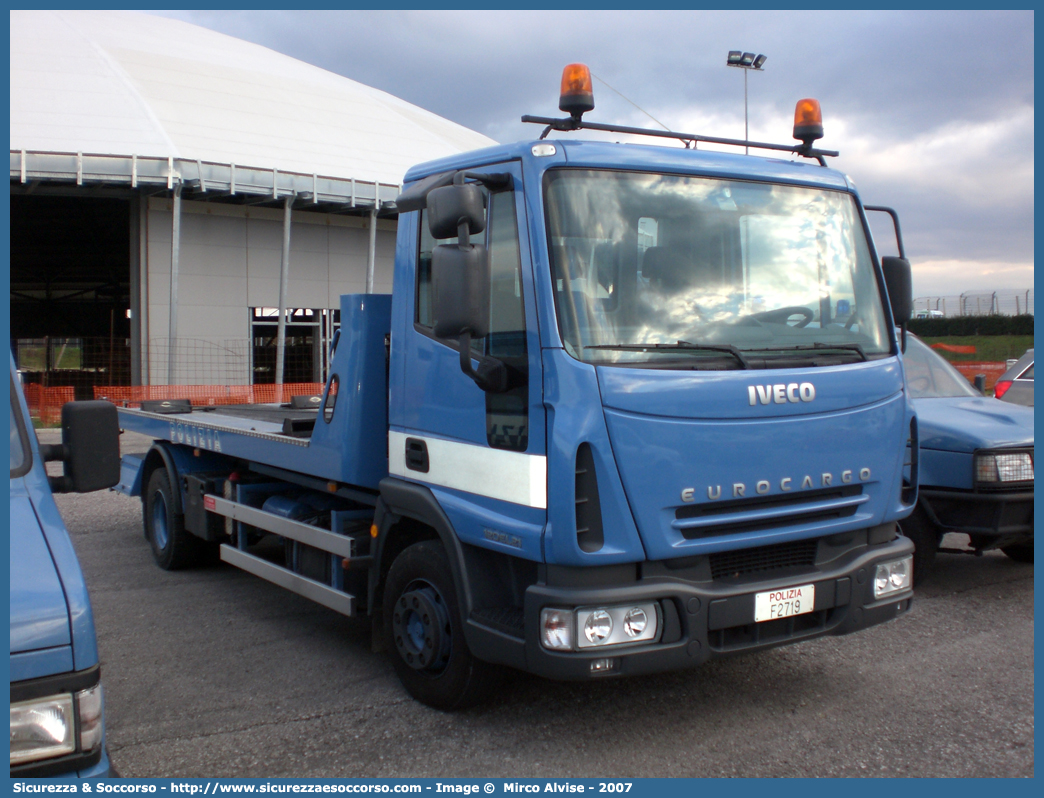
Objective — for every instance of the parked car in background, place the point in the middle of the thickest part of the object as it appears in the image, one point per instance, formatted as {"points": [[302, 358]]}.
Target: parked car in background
{"points": [[1016, 384], [975, 464], [57, 719]]}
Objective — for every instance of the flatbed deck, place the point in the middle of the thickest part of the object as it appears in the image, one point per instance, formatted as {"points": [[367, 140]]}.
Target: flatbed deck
{"points": [[253, 421]]}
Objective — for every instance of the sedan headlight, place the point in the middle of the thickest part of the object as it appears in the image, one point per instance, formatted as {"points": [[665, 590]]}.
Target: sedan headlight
{"points": [[45, 728], [1014, 467], [42, 729]]}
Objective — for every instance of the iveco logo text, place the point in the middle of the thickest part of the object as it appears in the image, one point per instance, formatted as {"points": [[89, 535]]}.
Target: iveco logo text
{"points": [[763, 486], [781, 394]]}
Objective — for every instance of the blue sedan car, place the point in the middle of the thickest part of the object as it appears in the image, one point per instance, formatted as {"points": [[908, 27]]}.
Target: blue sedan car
{"points": [[975, 464]]}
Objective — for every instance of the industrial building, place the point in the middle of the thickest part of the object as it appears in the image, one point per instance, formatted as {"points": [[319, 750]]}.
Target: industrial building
{"points": [[172, 188]]}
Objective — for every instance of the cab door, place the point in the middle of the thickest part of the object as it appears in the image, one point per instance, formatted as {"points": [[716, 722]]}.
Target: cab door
{"points": [[482, 454]]}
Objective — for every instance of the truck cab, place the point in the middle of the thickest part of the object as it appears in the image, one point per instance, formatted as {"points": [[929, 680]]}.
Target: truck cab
{"points": [[705, 400], [57, 719]]}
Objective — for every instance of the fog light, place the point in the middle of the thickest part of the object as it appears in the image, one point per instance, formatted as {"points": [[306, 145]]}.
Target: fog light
{"points": [[556, 628], [635, 621], [602, 665], [598, 626], [892, 577]]}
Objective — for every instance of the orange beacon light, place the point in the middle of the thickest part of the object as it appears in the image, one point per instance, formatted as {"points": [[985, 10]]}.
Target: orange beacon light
{"points": [[808, 121], [577, 97]]}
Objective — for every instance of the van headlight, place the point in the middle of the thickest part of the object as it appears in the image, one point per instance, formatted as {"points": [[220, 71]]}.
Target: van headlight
{"points": [[45, 728]]}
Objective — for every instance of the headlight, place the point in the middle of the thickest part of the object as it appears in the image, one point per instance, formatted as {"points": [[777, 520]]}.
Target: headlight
{"points": [[564, 630], [892, 577], [598, 626], [44, 728], [1015, 467], [611, 626]]}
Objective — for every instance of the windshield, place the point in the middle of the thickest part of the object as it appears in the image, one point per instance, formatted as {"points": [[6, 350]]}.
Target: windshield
{"points": [[19, 443], [697, 272], [929, 376]]}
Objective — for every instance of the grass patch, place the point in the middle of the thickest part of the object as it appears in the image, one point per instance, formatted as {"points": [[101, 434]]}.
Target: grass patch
{"points": [[988, 348]]}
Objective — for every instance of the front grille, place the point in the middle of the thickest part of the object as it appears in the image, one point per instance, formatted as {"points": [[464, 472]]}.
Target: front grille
{"points": [[793, 503], [800, 553]]}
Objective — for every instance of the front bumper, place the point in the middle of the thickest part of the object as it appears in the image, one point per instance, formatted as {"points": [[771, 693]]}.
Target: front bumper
{"points": [[1001, 515], [702, 619]]}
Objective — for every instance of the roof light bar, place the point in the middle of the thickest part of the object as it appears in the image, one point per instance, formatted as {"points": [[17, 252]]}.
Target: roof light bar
{"points": [[577, 98]]}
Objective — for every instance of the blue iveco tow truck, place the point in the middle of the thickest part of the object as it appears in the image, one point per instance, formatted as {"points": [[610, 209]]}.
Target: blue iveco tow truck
{"points": [[57, 727], [627, 409]]}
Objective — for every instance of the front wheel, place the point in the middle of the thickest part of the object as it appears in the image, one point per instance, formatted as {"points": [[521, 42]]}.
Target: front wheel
{"points": [[1020, 552], [424, 635], [925, 536], [172, 546]]}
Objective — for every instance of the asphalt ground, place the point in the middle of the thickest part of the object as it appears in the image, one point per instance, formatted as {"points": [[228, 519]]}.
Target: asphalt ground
{"points": [[213, 672]]}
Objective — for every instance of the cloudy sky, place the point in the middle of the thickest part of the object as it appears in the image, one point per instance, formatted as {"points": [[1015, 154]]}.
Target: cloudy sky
{"points": [[932, 111]]}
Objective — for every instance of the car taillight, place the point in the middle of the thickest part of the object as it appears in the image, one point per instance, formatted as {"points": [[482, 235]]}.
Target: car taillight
{"points": [[1001, 388]]}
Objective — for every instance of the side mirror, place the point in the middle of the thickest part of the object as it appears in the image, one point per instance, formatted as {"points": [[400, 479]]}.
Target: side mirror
{"points": [[899, 282], [90, 448], [980, 383], [460, 279], [459, 272]]}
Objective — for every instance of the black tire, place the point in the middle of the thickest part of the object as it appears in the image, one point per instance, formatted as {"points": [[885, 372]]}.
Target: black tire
{"points": [[925, 536], [1020, 552], [424, 635], [172, 546]]}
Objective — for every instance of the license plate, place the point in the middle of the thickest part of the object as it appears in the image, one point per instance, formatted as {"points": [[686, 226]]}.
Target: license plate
{"points": [[784, 603]]}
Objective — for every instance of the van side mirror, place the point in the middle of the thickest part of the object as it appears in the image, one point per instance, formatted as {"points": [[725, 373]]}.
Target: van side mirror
{"points": [[899, 282], [90, 448]]}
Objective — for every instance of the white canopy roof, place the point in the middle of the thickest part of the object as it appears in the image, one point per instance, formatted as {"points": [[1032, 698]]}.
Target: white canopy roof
{"points": [[126, 83]]}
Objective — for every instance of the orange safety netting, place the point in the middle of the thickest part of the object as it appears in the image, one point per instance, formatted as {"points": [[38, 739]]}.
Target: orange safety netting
{"points": [[206, 395], [960, 349], [992, 371], [45, 404]]}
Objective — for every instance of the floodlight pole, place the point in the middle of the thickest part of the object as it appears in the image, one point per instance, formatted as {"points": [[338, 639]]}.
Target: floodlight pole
{"points": [[746, 126], [746, 62]]}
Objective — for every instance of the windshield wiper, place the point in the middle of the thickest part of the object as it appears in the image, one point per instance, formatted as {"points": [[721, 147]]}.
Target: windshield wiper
{"points": [[818, 346], [728, 349]]}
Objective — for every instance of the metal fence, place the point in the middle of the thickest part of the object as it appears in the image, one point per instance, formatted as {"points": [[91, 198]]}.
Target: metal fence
{"points": [[82, 363], [976, 303]]}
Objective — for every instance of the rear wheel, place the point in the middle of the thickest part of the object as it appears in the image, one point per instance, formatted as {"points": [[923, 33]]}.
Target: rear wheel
{"points": [[925, 536], [1020, 552], [172, 546], [424, 635]]}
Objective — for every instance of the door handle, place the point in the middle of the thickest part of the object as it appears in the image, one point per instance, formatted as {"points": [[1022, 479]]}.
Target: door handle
{"points": [[417, 455]]}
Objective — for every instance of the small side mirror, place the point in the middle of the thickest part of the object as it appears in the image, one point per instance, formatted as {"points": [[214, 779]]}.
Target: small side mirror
{"points": [[980, 383], [899, 282], [450, 207], [90, 447]]}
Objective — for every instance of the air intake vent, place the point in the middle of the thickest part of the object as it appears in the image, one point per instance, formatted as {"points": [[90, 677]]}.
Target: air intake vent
{"points": [[909, 494], [800, 553], [588, 509]]}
